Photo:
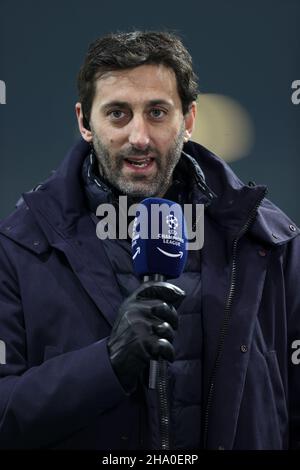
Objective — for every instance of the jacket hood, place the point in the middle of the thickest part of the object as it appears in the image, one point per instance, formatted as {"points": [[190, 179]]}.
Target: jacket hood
{"points": [[59, 201]]}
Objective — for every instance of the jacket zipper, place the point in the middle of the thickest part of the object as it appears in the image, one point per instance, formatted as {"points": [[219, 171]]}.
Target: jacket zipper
{"points": [[227, 314]]}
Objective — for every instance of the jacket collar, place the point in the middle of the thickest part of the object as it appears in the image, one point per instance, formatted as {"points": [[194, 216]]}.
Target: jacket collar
{"points": [[60, 200], [235, 201], [188, 185]]}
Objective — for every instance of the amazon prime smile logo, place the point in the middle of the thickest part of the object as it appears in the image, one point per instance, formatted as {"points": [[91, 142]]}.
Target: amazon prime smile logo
{"points": [[2, 92], [121, 221]]}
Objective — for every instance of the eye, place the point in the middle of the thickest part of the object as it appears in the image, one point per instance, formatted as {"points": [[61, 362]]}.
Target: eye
{"points": [[116, 114], [157, 113]]}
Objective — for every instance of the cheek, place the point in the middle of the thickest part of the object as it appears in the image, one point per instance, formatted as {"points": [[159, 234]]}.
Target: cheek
{"points": [[166, 138], [107, 138], [115, 137]]}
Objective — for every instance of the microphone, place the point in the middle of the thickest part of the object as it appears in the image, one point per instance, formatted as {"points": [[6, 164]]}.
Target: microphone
{"points": [[158, 246]]}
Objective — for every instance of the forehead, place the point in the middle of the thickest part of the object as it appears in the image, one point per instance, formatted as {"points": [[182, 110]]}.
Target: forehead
{"points": [[142, 84]]}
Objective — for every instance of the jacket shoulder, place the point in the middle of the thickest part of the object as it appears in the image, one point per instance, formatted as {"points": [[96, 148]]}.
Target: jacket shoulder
{"points": [[273, 226], [20, 227]]}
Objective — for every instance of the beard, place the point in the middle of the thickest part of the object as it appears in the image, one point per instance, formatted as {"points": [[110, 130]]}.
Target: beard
{"points": [[139, 186]]}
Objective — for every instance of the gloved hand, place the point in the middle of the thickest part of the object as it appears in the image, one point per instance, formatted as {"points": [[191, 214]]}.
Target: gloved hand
{"points": [[144, 330]]}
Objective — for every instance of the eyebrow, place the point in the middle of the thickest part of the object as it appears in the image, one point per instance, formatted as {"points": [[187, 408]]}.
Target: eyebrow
{"points": [[125, 104]]}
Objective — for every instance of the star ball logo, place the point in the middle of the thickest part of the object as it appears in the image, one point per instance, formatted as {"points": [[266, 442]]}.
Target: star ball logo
{"points": [[172, 223], [2, 92]]}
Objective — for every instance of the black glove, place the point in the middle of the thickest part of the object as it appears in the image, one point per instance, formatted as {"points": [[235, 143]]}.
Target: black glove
{"points": [[144, 330]]}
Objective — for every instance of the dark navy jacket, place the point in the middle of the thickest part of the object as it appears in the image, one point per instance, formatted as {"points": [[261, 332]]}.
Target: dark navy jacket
{"points": [[59, 296]]}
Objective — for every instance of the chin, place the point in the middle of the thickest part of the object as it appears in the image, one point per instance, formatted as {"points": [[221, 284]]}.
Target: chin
{"points": [[140, 195], [138, 192]]}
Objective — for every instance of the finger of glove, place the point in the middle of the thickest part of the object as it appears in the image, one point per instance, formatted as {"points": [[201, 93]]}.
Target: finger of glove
{"points": [[149, 310], [133, 310], [164, 330], [161, 290], [161, 347], [166, 313]]}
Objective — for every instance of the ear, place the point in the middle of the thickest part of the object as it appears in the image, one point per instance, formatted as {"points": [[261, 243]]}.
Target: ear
{"points": [[86, 133], [189, 120]]}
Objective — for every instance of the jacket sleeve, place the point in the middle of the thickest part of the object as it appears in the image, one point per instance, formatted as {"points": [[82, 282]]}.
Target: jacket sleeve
{"points": [[292, 275], [45, 404]]}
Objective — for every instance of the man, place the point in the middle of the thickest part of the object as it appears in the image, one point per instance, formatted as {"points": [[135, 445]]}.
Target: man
{"points": [[78, 329]]}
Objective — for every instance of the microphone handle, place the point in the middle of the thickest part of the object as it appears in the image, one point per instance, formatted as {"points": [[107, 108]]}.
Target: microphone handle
{"points": [[158, 378], [153, 364]]}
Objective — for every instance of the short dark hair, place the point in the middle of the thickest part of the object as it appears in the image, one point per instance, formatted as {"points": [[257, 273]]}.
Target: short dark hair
{"points": [[118, 51]]}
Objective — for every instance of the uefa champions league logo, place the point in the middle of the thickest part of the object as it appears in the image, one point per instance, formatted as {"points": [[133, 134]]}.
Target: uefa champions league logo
{"points": [[172, 223]]}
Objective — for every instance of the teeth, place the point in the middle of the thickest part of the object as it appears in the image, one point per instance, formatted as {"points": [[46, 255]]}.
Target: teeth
{"points": [[140, 163]]}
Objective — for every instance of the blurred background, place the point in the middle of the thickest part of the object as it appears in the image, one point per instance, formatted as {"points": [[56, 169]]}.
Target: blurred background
{"points": [[246, 54]]}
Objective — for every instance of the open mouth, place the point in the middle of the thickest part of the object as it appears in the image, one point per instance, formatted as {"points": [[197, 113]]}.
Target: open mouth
{"points": [[139, 163]]}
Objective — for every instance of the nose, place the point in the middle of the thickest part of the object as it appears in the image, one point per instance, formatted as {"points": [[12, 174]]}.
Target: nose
{"points": [[139, 136]]}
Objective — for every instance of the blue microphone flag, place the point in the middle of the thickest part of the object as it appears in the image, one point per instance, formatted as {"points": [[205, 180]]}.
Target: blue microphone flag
{"points": [[159, 238]]}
